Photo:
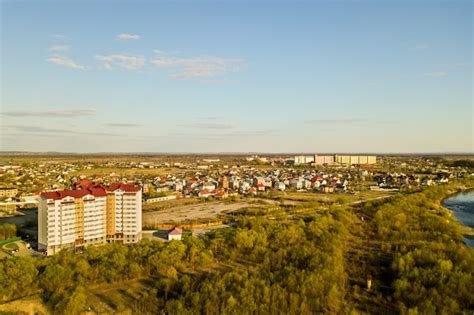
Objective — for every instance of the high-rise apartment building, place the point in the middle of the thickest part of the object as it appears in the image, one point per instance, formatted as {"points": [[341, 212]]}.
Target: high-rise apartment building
{"points": [[96, 214]]}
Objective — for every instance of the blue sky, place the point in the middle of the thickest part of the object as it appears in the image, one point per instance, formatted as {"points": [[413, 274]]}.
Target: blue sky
{"points": [[237, 76]]}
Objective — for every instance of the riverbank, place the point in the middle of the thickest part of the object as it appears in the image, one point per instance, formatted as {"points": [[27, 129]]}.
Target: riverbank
{"points": [[460, 205]]}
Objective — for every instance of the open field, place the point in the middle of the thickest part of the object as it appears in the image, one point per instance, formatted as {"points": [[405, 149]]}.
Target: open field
{"points": [[162, 205], [194, 212], [127, 171]]}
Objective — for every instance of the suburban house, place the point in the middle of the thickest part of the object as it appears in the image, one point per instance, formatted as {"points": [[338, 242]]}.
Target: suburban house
{"points": [[175, 234]]}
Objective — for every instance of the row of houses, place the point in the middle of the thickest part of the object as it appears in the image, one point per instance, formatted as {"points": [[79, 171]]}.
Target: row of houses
{"points": [[204, 186], [395, 180]]}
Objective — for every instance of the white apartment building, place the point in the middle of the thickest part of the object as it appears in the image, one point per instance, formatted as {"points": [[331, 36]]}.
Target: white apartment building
{"points": [[97, 214], [303, 159]]}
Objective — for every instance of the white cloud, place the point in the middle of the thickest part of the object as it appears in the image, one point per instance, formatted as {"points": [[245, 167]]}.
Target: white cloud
{"points": [[57, 48], [59, 37], [126, 37], [65, 62], [161, 52], [52, 113], [439, 74], [198, 67], [123, 61]]}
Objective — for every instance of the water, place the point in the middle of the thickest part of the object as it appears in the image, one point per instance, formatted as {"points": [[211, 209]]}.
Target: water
{"points": [[21, 219], [462, 206]]}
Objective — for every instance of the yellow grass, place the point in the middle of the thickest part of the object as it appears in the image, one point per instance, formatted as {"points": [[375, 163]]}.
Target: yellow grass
{"points": [[29, 305]]}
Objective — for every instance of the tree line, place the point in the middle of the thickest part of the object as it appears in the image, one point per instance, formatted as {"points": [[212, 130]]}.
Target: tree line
{"points": [[294, 264]]}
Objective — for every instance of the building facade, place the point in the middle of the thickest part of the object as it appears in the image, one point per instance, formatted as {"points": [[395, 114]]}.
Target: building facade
{"points": [[355, 159], [97, 214], [303, 159], [8, 192], [324, 159]]}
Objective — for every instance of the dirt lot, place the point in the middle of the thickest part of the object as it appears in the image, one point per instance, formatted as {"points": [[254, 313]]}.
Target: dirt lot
{"points": [[28, 305], [194, 212]]}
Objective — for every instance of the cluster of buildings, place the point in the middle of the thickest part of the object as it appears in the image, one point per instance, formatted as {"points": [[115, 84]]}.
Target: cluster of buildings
{"points": [[398, 180], [91, 214], [8, 192], [244, 182], [335, 159]]}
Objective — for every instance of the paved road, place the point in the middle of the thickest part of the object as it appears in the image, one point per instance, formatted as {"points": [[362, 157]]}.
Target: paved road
{"points": [[371, 199]]}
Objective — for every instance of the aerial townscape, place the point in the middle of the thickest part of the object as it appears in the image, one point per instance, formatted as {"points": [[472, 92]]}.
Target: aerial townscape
{"points": [[208, 157], [121, 215]]}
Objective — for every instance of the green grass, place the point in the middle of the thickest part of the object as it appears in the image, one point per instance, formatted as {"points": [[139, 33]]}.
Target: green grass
{"points": [[11, 246]]}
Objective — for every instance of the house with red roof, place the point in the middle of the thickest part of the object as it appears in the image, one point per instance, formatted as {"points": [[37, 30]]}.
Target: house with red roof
{"points": [[175, 234]]}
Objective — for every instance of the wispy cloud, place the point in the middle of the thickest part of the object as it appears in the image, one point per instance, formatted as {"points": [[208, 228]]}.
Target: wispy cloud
{"points": [[209, 126], [439, 74], [336, 121], [57, 48], [123, 125], [211, 117], [122, 61], [161, 52], [45, 130], [52, 113], [226, 135], [65, 62], [127, 37], [59, 37], [198, 67]]}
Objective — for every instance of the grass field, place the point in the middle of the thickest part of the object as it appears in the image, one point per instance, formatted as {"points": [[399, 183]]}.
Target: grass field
{"points": [[195, 210], [323, 197], [127, 171]]}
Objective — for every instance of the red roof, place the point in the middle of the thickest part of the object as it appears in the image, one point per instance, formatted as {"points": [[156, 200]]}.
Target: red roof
{"points": [[97, 190], [122, 186], [175, 231], [260, 185], [78, 193], [84, 183]]}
